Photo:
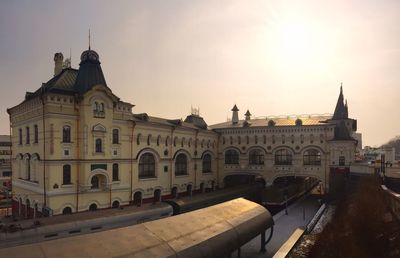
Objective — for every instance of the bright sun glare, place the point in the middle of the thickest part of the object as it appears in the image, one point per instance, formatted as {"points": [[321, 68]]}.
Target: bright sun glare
{"points": [[299, 46]]}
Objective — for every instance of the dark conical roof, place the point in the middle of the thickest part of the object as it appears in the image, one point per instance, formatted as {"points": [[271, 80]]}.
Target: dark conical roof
{"points": [[235, 108], [89, 73], [340, 110]]}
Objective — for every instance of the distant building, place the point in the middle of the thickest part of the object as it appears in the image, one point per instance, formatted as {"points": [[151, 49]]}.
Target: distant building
{"points": [[78, 147], [375, 154], [5, 162]]}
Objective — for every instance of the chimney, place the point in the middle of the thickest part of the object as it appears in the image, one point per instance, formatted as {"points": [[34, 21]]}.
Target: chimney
{"points": [[235, 115], [58, 63], [247, 115]]}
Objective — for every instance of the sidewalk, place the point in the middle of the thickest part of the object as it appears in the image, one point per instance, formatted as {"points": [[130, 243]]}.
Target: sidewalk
{"points": [[284, 226]]}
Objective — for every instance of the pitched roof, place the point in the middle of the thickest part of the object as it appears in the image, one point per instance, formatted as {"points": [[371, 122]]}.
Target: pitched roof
{"points": [[167, 122], [279, 121]]}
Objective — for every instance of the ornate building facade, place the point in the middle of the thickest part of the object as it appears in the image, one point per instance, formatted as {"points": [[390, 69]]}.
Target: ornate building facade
{"points": [[76, 147]]}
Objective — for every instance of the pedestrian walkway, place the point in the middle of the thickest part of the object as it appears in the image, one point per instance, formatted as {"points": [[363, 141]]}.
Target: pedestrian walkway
{"points": [[299, 214]]}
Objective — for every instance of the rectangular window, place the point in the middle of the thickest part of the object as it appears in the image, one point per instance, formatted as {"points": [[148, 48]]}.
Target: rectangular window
{"points": [[36, 134], [342, 161], [96, 166], [6, 173], [115, 136], [66, 174], [66, 134], [28, 138], [20, 135], [115, 176], [66, 152]]}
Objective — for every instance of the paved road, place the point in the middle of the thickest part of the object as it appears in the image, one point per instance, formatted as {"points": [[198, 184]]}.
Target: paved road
{"points": [[285, 225]]}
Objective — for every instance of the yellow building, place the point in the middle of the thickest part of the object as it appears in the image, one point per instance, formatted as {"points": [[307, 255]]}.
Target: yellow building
{"points": [[77, 147]]}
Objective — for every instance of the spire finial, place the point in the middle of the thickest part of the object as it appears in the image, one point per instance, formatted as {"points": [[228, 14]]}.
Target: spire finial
{"points": [[89, 39]]}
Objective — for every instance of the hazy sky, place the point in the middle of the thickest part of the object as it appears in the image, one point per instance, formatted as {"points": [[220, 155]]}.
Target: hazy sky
{"points": [[272, 57]]}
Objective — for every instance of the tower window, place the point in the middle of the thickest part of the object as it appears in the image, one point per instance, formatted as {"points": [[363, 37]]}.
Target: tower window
{"points": [[66, 134], [115, 172], [115, 136], [66, 174]]}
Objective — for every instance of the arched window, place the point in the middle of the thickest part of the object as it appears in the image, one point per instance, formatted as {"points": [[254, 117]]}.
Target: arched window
{"points": [[115, 136], [27, 167], [148, 139], [157, 195], [67, 210], [207, 163], [115, 204], [231, 157], [174, 192], [265, 139], [175, 140], [95, 182], [239, 140], [223, 140], [138, 139], [181, 165], [66, 174], [255, 139], [66, 134], [247, 139], [36, 134], [283, 157], [158, 140], [256, 157], [147, 166], [96, 106], [102, 107], [99, 146], [115, 172], [166, 141], [312, 157], [93, 207]]}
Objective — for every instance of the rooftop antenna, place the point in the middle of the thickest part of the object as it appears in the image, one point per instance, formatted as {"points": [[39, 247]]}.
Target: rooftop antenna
{"points": [[89, 39]]}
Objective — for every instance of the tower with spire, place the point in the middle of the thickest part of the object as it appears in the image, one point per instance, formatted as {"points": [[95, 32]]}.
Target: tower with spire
{"points": [[341, 109]]}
